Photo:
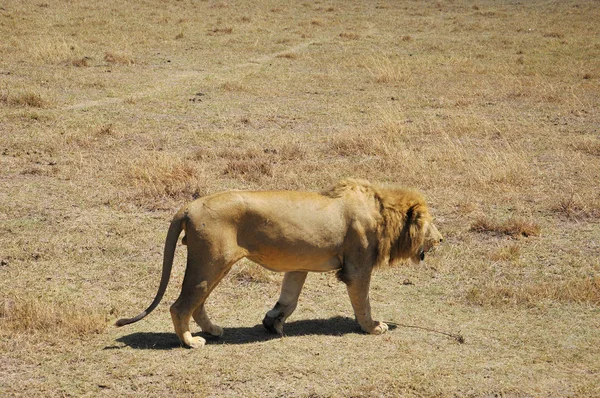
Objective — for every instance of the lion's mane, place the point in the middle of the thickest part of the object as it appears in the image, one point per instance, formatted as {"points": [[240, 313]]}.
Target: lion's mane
{"points": [[402, 215]]}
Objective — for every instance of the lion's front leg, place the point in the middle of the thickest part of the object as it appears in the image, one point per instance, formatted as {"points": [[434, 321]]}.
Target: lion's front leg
{"points": [[288, 300], [358, 290]]}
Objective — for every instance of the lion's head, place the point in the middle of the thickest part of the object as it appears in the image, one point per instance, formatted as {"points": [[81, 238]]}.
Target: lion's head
{"points": [[431, 238], [407, 230]]}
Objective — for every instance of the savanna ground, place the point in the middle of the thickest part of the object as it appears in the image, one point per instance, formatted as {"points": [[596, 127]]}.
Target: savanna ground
{"points": [[113, 114]]}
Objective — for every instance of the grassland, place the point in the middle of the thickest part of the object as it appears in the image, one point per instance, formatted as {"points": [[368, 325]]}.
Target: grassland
{"points": [[113, 114]]}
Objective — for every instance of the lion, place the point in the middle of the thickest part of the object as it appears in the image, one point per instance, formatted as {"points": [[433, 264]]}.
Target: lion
{"points": [[354, 228]]}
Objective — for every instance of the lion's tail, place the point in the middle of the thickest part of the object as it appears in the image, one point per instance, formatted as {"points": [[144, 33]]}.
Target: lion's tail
{"points": [[177, 225]]}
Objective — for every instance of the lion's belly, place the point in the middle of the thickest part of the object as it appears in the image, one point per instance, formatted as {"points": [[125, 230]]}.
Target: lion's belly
{"points": [[276, 259]]}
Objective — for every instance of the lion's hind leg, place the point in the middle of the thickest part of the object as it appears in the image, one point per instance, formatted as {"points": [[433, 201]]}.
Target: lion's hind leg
{"points": [[288, 300], [181, 313], [202, 319], [181, 322], [201, 277]]}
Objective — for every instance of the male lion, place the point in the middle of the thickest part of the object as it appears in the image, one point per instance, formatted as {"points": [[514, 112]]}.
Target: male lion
{"points": [[353, 228]]}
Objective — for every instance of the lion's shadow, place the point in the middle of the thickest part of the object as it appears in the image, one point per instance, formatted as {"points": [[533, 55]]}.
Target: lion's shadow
{"points": [[336, 326]]}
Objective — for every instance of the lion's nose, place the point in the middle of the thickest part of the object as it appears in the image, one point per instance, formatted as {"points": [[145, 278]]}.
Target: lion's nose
{"points": [[441, 240]]}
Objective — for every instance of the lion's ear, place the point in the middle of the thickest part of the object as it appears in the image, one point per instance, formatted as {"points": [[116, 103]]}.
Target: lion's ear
{"points": [[412, 214], [416, 215]]}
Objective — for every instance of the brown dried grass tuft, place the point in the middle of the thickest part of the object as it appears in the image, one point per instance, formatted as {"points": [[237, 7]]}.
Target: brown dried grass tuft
{"points": [[589, 146], [385, 70], [576, 290], [288, 55], [25, 99], [349, 36], [221, 31], [251, 169], [353, 144], [162, 176], [577, 208], [50, 317], [118, 59], [80, 62], [50, 48], [514, 227], [106, 130], [508, 253]]}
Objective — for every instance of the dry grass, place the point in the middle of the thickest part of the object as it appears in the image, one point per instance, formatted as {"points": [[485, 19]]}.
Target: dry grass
{"points": [[43, 316], [113, 114], [118, 59], [514, 227], [589, 146], [288, 55], [385, 70], [27, 99], [254, 170], [581, 291], [81, 62], [357, 145], [157, 176], [246, 272], [349, 36], [574, 206], [507, 253], [46, 48]]}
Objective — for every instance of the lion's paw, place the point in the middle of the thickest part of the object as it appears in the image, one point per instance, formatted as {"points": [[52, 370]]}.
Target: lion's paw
{"points": [[273, 325], [195, 342], [215, 330], [378, 328], [381, 328]]}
